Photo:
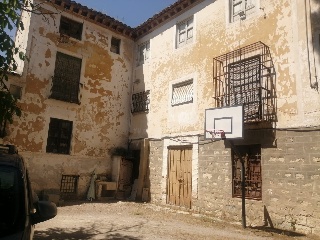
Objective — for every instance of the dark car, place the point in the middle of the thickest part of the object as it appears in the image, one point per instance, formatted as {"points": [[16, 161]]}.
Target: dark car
{"points": [[20, 208]]}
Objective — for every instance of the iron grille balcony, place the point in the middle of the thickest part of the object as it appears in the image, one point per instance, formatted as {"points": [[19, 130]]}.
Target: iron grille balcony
{"points": [[246, 76], [140, 102]]}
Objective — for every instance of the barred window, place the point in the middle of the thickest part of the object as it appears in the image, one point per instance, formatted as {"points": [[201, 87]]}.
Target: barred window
{"points": [[70, 28], [59, 136], [245, 87], [182, 93], [144, 52], [251, 155], [184, 32], [66, 80], [140, 102], [115, 45]]}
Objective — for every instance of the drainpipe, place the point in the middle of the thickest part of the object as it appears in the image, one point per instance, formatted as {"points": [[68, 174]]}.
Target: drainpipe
{"points": [[313, 83]]}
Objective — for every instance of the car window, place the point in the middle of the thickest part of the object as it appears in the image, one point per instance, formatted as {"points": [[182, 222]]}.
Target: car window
{"points": [[11, 200]]}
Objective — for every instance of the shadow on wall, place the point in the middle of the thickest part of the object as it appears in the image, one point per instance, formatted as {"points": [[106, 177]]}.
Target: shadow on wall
{"points": [[268, 226], [315, 48]]}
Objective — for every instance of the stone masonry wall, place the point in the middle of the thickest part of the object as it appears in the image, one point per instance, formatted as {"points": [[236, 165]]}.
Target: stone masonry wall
{"points": [[291, 180], [155, 171]]}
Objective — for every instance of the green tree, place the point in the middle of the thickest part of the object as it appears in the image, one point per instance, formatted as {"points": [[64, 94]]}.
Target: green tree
{"points": [[10, 20]]}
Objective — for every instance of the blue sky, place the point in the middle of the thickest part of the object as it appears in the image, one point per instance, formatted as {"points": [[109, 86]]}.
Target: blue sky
{"points": [[130, 12]]}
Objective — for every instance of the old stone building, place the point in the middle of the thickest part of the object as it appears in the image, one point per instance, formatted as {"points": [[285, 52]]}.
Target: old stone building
{"points": [[149, 88]]}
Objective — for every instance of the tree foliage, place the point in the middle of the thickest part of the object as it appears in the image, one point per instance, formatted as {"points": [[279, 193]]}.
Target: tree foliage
{"points": [[10, 20]]}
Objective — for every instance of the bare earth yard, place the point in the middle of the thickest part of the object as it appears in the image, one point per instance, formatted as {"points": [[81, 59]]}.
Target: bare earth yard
{"points": [[137, 221]]}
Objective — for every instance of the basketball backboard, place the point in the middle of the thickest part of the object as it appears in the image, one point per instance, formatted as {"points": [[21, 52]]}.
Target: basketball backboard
{"points": [[225, 121]]}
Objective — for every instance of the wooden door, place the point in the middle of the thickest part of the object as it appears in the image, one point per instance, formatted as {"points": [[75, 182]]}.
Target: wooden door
{"points": [[179, 185]]}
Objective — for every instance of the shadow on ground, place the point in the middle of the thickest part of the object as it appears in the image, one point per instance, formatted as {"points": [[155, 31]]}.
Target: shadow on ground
{"points": [[88, 233], [278, 231]]}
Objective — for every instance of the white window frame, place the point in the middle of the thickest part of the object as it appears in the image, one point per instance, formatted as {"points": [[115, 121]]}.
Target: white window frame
{"points": [[179, 88], [143, 52], [185, 32], [244, 8]]}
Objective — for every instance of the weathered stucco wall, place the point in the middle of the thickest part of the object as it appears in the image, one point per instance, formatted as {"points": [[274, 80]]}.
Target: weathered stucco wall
{"points": [[290, 155], [100, 121], [275, 24]]}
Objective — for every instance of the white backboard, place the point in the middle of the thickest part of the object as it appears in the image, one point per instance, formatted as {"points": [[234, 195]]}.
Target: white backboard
{"points": [[227, 119]]}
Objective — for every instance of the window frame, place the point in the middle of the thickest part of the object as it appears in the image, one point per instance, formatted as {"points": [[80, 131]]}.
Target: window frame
{"points": [[143, 56], [179, 85], [71, 24], [187, 27], [115, 45], [247, 7], [55, 131], [251, 184], [63, 75]]}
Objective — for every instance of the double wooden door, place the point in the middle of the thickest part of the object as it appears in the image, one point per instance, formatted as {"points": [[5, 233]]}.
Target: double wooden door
{"points": [[179, 186]]}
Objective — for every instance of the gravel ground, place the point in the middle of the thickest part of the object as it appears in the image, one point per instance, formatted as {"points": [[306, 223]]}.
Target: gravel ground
{"points": [[137, 221]]}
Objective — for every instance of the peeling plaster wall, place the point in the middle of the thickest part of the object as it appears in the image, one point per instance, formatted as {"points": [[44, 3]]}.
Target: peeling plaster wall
{"points": [[283, 27], [100, 121], [275, 24]]}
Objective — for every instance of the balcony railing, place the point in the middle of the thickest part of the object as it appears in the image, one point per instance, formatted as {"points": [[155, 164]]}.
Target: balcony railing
{"points": [[247, 77], [140, 102]]}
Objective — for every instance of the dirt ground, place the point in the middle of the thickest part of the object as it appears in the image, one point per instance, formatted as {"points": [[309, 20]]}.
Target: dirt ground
{"points": [[137, 221]]}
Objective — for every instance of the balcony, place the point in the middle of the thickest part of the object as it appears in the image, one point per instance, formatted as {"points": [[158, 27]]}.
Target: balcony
{"points": [[247, 77]]}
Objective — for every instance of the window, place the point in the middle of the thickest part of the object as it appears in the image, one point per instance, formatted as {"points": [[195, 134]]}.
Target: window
{"points": [[239, 9], [144, 52], [184, 32], [251, 155], [140, 102], [15, 91], [182, 93], [115, 45], [69, 187], [245, 87], [66, 80], [70, 28], [59, 136]]}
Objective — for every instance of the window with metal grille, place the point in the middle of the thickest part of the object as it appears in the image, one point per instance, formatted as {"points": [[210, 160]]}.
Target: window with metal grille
{"points": [[66, 80], [69, 186], [251, 155], [115, 45], [246, 76], [144, 52], [140, 102], [59, 136], [70, 28], [182, 93], [245, 87], [184, 32], [239, 9]]}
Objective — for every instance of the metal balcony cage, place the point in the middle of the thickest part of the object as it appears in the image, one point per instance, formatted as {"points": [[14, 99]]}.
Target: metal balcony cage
{"points": [[246, 76]]}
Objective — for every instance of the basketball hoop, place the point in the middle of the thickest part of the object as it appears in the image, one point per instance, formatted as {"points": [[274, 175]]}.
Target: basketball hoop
{"points": [[216, 134]]}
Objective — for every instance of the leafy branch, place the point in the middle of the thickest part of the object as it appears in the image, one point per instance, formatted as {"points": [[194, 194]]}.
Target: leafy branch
{"points": [[10, 15]]}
